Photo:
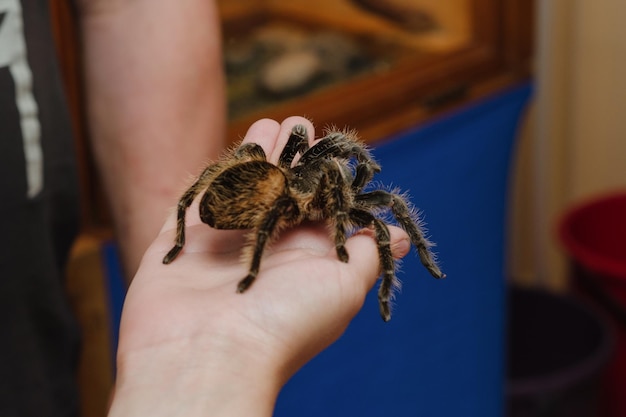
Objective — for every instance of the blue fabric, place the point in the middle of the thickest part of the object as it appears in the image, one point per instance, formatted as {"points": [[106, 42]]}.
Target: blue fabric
{"points": [[115, 289], [442, 354]]}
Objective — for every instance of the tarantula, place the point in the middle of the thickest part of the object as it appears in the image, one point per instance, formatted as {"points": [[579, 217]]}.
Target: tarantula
{"points": [[245, 191]]}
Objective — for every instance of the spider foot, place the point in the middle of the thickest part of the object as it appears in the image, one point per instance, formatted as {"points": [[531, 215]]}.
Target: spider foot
{"points": [[385, 311], [245, 283], [299, 130], [172, 254], [342, 254], [429, 262], [434, 270]]}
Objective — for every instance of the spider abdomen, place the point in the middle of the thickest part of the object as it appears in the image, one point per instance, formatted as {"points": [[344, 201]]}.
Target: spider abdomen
{"points": [[241, 195]]}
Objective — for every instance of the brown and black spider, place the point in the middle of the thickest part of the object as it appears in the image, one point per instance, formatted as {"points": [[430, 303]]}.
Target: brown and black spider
{"points": [[245, 191]]}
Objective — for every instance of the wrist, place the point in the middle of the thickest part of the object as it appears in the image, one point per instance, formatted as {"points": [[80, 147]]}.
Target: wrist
{"points": [[181, 379]]}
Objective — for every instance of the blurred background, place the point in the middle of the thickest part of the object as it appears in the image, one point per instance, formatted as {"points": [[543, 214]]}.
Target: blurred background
{"points": [[503, 118]]}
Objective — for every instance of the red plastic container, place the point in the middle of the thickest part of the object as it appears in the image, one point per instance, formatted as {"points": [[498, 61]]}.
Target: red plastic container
{"points": [[594, 236]]}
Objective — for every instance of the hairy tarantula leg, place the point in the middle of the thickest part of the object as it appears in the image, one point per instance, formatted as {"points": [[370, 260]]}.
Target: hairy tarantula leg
{"points": [[334, 199], [402, 213], [298, 142], [181, 210], [250, 150], [387, 264], [338, 145], [264, 232], [364, 174], [366, 167]]}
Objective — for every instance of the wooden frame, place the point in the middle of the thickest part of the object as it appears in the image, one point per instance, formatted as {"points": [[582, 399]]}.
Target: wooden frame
{"points": [[499, 54]]}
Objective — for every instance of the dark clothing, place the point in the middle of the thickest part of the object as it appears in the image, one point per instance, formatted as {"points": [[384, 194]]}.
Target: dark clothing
{"points": [[38, 219]]}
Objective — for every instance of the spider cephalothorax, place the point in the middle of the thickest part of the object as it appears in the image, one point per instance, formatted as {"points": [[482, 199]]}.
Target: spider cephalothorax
{"points": [[245, 191]]}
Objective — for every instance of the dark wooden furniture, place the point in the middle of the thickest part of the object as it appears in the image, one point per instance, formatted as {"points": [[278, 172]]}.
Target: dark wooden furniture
{"points": [[482, 46]]}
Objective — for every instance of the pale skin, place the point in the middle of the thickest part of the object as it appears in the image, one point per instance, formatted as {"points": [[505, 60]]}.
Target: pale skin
{"points": [[155, 105], [190, 345]]}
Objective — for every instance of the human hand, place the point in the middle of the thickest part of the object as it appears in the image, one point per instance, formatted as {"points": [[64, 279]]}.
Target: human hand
{"points": [[190, 343]]}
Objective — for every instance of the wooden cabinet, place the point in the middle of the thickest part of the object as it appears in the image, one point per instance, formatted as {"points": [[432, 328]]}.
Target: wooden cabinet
{"points": [[464, 50]]}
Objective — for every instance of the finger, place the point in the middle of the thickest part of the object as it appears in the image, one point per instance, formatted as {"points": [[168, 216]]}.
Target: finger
{"points": [[263, 132], [364, 258], [285, 131]]}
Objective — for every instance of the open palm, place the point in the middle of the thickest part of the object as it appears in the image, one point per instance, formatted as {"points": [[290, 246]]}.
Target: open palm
{"points": [[302, 300]]}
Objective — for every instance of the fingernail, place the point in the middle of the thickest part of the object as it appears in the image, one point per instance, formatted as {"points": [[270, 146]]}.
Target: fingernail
{"points": [[401, 248]]}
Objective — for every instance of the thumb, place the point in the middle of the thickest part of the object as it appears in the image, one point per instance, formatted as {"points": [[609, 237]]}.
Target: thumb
{"points": [[364, 253]]}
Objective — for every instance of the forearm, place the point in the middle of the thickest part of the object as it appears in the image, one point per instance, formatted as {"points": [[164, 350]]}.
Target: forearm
{"points": [[155, 105], [156, 382]]}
